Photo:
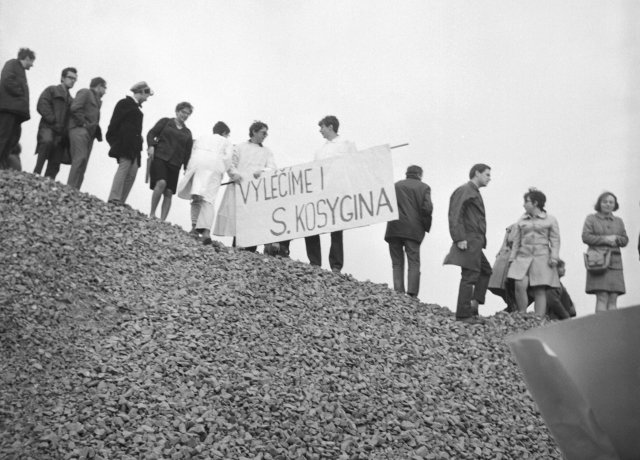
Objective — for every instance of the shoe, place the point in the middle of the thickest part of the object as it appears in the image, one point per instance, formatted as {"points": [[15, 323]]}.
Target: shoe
{"points": [[471, 320], [207, 241], [336, 270]]}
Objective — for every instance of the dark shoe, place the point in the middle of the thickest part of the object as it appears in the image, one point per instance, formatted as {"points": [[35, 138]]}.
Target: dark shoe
{"points": [[207, 241], [471, 320]]}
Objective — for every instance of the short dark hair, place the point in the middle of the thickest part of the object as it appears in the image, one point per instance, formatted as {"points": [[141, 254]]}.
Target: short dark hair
{"points": [[221, 128], [414, 170], [184, 105], [66, 70], [478, 167], [97, 81], [598, 208], [257, 126], [330, 120], [535, 195], [25, 53]]}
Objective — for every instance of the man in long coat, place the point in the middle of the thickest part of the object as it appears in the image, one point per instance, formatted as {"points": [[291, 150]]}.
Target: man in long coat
{"points": [[124, 135], [405, 234], [14, 102], [53, 106], [468, 228]]}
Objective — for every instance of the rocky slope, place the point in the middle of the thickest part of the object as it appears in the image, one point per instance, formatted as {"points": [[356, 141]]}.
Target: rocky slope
{"points": [[122, 337]]}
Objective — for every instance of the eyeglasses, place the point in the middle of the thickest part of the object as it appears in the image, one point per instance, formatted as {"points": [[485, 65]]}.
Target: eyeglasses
{"points": [[147, 91]]}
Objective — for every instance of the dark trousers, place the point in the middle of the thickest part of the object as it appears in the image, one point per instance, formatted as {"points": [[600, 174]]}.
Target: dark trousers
{"points": [[398, 247], [48, 146], [10, 131], [473, 286], [336, 252]]}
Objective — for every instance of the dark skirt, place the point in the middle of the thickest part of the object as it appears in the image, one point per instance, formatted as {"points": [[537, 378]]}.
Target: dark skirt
{"points": [[610, 281], [162, 170]]}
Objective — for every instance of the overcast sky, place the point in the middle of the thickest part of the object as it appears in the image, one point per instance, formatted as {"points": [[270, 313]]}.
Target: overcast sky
{"points": [[546, 92]]}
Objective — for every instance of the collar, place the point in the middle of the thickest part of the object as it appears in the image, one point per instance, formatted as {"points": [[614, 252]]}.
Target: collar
{"points": [[599, 215], [473, 186], [539, 215]]}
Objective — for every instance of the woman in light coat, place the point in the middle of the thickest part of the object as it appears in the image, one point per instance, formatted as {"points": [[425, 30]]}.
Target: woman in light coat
{"points": [[535, 253], [210, 158], [250, 159], [603, 231]]}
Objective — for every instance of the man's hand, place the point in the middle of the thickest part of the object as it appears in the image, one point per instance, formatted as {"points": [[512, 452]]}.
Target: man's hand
{"points": [[462, 245]]}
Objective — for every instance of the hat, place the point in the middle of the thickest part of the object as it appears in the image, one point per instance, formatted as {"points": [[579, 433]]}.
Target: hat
{"points": [[142, 87]]}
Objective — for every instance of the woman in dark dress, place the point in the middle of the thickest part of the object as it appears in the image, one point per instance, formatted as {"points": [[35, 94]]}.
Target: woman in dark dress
{"points": [[170, 143]]}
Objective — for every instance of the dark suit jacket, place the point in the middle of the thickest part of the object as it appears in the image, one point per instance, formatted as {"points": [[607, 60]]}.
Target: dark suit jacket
{"points": [[414, 210], [124, 134]]}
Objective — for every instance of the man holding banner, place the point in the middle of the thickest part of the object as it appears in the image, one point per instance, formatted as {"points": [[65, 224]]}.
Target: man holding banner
{"points": [[335, 146]]}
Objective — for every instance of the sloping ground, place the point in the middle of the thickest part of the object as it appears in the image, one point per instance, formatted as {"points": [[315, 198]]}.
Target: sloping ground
{"points": [[121, 337]]}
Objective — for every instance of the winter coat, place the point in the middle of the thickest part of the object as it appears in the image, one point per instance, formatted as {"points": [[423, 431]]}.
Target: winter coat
{"points": [[414, 210], [498, 280], [53, 106], [596, 227], [14, 90], [467, 222], [124, 133], [535, 242]]}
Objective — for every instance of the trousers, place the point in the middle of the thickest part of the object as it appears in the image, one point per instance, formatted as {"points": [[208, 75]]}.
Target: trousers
{"points": [[336, 252], [473, 286], [123, 180], [80, 143], [398, 247]]}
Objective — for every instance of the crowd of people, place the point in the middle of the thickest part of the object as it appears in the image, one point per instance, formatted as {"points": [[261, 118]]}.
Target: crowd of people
{"points": [[528, 267]]}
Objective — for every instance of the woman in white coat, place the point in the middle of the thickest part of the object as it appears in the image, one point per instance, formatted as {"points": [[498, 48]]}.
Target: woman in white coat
{"points": [[210, 159], [250, 159]]}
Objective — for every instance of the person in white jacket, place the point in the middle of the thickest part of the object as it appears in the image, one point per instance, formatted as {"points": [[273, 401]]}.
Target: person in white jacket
{"points": [[210, 158], [250, 160]]}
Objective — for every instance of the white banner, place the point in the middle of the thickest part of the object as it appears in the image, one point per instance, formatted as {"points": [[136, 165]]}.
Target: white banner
{"points": [[338, 193]]}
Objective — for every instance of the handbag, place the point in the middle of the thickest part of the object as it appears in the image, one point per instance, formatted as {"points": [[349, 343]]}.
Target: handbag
{"points": [[597, 261]]}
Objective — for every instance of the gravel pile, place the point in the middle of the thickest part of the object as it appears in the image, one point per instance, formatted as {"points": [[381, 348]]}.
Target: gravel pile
{"points": [[122, 337]]}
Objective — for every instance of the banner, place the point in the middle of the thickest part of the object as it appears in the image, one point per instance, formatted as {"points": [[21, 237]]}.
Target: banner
{"points": [[338, 193]]}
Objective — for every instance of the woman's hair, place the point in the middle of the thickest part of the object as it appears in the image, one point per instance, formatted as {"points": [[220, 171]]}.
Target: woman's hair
{"points": [[221, 128], [602, 196], [184, 105], [537, 197]]}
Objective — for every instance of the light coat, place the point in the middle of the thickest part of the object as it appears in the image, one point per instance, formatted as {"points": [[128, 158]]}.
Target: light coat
{"points": [[536, 240]]}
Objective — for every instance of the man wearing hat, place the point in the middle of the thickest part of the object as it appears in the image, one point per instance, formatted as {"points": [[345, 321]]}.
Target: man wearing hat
{"points": [[84, 128], [124, 135]]}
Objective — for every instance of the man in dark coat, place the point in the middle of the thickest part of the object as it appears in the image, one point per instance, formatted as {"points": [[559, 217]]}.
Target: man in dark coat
{"points": [[14, 102], [468, 228], [53, 106], [124, 135], [407, 232], [84, 127]]}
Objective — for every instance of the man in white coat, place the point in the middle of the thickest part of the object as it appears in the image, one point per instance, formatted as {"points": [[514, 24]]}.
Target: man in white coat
{"points": [[335, 146]]}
